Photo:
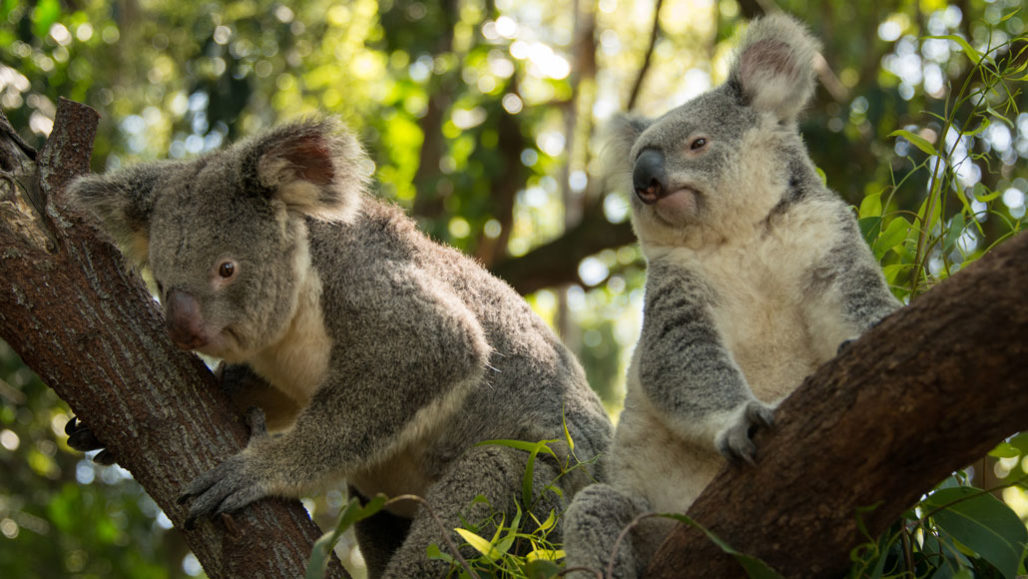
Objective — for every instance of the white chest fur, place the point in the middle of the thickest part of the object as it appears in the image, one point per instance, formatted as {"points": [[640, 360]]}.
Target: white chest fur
{"points": [[760, 282], [297, 363]]}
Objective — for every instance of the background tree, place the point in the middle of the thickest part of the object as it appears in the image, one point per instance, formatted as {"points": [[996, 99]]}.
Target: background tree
{"points": [[484, 120]]}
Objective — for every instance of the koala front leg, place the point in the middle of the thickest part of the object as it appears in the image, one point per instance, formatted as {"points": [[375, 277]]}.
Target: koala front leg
{"points": [[846, 294], [231, 485], [687, 372]]}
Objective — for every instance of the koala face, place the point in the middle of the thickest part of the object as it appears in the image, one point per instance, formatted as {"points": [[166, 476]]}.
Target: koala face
{"points": [[224, 262], [719, 157], [225, 235], [680, 159]]}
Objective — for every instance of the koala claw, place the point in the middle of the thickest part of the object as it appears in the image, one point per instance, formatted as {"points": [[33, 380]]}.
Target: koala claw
{"points": [[82, 439], [225, 488], [734, 441]]}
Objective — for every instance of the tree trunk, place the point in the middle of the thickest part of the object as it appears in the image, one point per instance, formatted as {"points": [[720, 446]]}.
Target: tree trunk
{"points": [[90, 329], [931, 389]]}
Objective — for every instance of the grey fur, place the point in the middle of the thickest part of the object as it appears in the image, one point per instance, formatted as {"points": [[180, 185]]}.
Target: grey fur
{"points": [[400, 353], [756, 274]]}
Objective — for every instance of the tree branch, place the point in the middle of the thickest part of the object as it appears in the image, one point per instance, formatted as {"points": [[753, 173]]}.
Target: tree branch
{"points": [[556, 263], [932, 388], [91, 330]]}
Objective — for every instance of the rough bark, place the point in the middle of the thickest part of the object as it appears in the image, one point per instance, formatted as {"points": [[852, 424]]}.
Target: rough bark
{"points": [[90, 329], [929, 390]]}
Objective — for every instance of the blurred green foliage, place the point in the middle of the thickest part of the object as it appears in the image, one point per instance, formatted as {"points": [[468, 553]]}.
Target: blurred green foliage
{"points": [[484, 120]]}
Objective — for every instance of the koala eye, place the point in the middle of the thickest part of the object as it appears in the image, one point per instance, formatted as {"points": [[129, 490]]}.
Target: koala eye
{"points": [[697, 144], [227, 269]]}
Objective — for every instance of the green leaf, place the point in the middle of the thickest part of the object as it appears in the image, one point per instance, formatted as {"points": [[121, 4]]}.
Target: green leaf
{"points": [[1020, 442], [956, 228], [522, 445], [350, 514], [893, 270], [870, 229], [755, 568], [893, 235], [540, 568], [917, 141], [1005, 450], [969, 50], [981, 522], [504, 544], [548, 524], [434, 552], [479, 544], [43, 17], [871, 206]]}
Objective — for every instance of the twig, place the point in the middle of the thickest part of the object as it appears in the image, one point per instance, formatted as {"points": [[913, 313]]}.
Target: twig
{"points": [[647, 57]]}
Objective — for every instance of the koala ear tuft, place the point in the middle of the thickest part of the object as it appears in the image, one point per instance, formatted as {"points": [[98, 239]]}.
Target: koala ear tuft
{"points": [[621, 133], [123, 202], [774, 69], [315, 168]]}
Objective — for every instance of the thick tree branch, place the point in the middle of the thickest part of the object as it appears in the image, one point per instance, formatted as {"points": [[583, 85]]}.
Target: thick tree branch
{"points": [[93, 333], [556, 263], [932, 388]]}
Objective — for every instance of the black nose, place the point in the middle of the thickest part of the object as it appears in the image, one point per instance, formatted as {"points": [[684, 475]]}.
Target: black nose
{"points": [[649, 178]]}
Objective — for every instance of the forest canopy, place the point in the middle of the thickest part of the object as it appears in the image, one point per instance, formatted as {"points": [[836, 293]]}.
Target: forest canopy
{"points": [[485, 120]]}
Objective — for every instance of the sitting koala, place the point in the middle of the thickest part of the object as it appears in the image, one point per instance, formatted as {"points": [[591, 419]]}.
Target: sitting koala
{"points": [[756, 274], [398, 355]]}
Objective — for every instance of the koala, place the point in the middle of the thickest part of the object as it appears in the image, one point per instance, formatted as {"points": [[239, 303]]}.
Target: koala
{"points": [[756, 274], [394, 355]]}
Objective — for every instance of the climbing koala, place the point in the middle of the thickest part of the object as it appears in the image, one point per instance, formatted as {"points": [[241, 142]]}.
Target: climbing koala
{"points": [[399, 355], [757, 273]]}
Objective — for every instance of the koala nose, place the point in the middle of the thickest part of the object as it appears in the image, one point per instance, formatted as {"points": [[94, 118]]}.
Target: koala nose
{"points": [[184, 320], [649, 177]]}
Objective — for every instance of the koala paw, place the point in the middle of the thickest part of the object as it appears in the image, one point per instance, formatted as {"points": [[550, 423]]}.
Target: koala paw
{"points": [[82, 439], [229, 486], [734, 441]]}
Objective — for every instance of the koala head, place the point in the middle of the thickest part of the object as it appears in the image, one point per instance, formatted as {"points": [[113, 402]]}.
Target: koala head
{"points": [[722, 156], [225, 235]]}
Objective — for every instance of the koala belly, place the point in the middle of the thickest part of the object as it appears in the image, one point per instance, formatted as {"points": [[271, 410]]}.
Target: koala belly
{"points": [[760, 315], [648, 459]]}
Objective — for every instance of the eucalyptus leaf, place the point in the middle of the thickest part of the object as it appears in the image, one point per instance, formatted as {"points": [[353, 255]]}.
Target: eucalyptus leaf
{"points": [[981, 522], [916, 140]]}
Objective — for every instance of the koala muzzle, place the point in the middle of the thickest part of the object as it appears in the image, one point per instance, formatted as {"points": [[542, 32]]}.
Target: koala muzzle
{"points": [[649, 179], [184, 320]]}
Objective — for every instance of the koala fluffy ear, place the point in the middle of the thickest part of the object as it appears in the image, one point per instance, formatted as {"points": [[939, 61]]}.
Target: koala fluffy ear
{"points": [[123, 201], [621, 133], [315, 168], [774, 69]]}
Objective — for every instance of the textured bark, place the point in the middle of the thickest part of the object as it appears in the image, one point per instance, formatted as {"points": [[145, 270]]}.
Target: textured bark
{"points": [[90, 329], [929, 390]]}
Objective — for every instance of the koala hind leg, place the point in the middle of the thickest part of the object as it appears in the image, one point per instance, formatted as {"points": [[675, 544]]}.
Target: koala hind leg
{"points": [[493, 472], [379, 536], [592, 524]]}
